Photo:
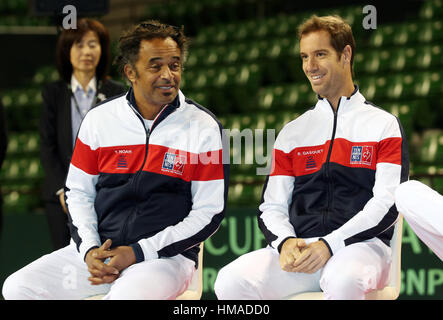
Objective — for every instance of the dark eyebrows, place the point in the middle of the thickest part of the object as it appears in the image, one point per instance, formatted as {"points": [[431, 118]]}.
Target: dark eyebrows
{"points": [[155, 59], [316, 51], [80, 41]]}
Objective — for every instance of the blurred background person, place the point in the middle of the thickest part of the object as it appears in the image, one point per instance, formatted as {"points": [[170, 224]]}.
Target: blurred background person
{"points": [[3, 145], [83, 58]]}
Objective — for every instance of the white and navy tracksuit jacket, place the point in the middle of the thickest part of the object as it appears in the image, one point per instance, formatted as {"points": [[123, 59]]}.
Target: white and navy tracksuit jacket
{"points": [[334, 175], [161, 191]]}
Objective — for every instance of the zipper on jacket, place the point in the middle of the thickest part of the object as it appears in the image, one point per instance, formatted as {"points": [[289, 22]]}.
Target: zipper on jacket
{"points": [[125, 227], [327, 171], [147, 133], [137, 173]]}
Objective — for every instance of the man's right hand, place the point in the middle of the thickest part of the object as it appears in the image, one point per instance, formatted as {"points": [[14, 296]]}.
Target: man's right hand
{"points": [[100, 272], [290, 251], [61, 198]]}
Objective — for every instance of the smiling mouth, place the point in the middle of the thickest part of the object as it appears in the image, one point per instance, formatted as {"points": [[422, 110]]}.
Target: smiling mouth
{"points": [[317, 77], [166, 88], [166, 91]]}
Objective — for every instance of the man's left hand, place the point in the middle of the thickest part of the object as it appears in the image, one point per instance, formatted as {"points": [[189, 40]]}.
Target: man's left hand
{"points": [[312, 258]]}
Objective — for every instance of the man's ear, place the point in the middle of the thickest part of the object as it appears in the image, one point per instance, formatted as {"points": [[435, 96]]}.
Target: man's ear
{"points": [[130, 72], [347, 54]]}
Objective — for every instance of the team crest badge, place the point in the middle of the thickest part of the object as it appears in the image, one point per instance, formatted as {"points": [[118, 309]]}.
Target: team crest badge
{"points": [[122, 162], [361, 155], [310, 163], [174, 163], [123, 157]]}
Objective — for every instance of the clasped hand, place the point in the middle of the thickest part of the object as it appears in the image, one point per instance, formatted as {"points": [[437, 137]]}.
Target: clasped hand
{"points": [[297, 256], [120, 258]]}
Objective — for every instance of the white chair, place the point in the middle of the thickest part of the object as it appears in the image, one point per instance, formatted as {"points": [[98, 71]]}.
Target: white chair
{"points": [[392, 290], [195, 289]]}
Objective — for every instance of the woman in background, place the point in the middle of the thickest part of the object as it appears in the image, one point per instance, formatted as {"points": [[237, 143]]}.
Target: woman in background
{"points": [[83, 57]]}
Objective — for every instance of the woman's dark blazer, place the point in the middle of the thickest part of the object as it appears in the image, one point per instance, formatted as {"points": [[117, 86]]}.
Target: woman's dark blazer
{"points": [[56, 131]]}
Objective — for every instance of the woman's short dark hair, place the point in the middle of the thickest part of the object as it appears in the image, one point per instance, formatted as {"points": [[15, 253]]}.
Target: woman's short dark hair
{"points": [[129, 42], [67, 39]]}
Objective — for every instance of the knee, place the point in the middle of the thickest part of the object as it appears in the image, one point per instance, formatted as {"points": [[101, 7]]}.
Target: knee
{"points": [[146, 287], [14, 287], [346, 284], [230, 284], [405, 195], [136, 293], [224, 284]]}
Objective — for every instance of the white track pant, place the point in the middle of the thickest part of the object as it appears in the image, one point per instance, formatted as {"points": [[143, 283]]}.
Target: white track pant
{"points": [[349, 274], [62, 275], [422, 208]]}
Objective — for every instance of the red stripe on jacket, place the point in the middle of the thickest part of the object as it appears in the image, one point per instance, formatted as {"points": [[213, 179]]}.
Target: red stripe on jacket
{"points": [[390, 151], [162, 160], [185, 165], [308, 160], [85, 158], [121, 159]]}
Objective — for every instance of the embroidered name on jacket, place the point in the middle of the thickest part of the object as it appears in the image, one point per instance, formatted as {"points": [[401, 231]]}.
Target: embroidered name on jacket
{"points": [[122, 160], [307, 160]]}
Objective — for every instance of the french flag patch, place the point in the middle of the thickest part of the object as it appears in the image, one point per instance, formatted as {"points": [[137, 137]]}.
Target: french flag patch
{"points": [[361, 155], [174, 163]]}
